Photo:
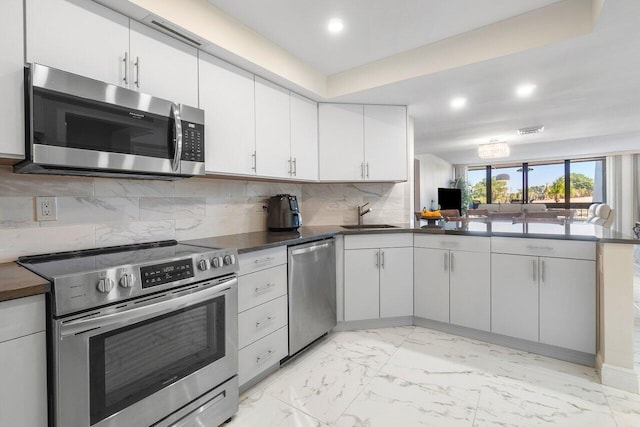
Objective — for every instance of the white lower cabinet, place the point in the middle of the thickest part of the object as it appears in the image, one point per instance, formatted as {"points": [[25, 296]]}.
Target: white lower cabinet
{"points": [[263, 333], [452, 280], [23, 363], [378, 280], [547, 299]]}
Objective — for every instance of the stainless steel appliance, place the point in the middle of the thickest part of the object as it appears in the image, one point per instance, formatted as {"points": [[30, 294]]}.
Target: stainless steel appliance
{"points": [[142, 335], [80, 126], [312, 292], [283, 213]]}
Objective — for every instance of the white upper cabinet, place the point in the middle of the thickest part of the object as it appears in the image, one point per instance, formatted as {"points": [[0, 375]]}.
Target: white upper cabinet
{"points": [[341, 142], [81, 37], [11, 80], [273, 139], [363, 142], [227, 97], [385, 142], [304, 137], [163, 66]]}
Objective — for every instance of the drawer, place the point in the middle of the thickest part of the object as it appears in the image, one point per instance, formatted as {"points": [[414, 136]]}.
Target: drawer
{"points": [[262, 354], [262, 286], [459, 243], [544, 247], [262, 320], [251, 262], [21, 316], [373, 241]]}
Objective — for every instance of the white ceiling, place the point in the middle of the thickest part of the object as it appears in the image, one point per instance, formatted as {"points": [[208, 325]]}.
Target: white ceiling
{"points": [[588, 86]]}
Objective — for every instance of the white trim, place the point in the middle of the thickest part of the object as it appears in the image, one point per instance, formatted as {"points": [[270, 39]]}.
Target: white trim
{"points": [[621, 378]]}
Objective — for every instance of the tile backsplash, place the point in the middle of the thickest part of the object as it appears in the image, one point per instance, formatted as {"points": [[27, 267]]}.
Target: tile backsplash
{"points": [[95, 212]]}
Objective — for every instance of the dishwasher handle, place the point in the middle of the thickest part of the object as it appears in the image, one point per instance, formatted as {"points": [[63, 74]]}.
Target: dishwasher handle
{"points": [[313, 248]]}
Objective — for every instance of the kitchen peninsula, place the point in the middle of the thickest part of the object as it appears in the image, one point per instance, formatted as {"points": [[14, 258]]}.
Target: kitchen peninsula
{"points": [[596, 260]]}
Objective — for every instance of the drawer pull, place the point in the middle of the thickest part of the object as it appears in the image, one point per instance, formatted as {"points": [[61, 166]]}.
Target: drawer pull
{"points": [[263, 260], [264, 288], [266, 355], [263, 321], [540, 248]]}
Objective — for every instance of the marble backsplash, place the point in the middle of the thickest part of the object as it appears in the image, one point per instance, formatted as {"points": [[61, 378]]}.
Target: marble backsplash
{"points": [[95, 212]]}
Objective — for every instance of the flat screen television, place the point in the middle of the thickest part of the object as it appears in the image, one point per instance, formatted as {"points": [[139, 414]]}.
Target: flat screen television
{"points": [[450, 198]]}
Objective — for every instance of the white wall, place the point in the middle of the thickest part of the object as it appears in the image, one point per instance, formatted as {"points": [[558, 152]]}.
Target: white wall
{"points": [[434, 172]]}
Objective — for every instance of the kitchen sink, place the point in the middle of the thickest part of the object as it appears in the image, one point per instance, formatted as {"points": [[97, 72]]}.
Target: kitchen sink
{"points": [[368, 226]]}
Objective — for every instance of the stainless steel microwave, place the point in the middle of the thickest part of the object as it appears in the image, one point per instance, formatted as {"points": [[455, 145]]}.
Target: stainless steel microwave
{"points": [[79, 126]]}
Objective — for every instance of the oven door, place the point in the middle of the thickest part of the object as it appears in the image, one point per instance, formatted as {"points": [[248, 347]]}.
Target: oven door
{"points": [[136, 364]]}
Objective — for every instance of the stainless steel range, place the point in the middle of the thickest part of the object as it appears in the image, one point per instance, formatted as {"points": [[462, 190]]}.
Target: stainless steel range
{"points": [[142, 335]]}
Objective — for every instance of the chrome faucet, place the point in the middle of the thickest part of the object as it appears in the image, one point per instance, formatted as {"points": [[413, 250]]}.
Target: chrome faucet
{"points": [[362, 212]]}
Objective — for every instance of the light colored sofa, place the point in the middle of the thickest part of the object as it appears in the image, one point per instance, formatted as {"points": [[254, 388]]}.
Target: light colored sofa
{"points": [[509, 208]]}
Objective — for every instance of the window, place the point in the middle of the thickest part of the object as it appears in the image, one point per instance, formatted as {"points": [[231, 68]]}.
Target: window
{"points": [[477, 180], [506, 185], [587, 184], [546, 183]]}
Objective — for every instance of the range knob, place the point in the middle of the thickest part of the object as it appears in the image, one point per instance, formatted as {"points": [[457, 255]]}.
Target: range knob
{"points": [[228, 260], [203, 264], [126, 281], [216, 262], [105, 285]]}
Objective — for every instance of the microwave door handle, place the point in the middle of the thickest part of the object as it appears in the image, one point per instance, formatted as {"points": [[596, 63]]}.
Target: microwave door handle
{"points": [[177, 142]]}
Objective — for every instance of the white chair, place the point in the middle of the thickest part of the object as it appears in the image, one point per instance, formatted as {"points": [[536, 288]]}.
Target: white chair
{"points": [[601, 214]]}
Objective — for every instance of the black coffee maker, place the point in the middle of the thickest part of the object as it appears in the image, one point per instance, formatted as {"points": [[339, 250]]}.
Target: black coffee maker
{"points": [[283, 213]]}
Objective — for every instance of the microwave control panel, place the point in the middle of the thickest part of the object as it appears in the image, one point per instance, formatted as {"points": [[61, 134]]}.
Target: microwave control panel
{"points": [[192, 142]]}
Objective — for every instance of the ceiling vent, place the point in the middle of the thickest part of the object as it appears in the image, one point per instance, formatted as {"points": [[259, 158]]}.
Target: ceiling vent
{"points": [[528, 131], [174, 31]]}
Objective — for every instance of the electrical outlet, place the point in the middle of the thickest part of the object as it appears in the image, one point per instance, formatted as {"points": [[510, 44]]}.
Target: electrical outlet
{"points": [[46, 209], [261, 207]]}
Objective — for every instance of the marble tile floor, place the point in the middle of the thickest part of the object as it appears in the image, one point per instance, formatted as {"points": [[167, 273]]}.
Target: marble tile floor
{"points": [[412, 376]]}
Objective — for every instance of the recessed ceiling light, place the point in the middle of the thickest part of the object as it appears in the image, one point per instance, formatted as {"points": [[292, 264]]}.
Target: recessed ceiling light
{"points": [[525, 90], [335, 25], [458, 102]]}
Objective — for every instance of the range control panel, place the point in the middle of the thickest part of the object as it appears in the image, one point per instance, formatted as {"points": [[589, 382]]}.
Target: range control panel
{"points": [[160, 274], [192, 142]]}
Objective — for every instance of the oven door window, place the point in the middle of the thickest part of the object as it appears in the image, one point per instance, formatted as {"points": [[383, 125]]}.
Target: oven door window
{"points": [[66, 121], [133, 362]]}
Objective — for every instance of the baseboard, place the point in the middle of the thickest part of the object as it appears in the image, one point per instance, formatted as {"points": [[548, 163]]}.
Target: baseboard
{"points": [[353, 325], [258, 378], [617, 377]]}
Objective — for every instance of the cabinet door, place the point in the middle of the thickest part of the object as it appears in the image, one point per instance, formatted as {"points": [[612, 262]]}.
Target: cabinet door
{"points": [[23, 369], [470, 289], [12, 80], [514, 296], [273, 139], [163, 66], [304, 137], [385, 142], [568, 303], [341, 142], [396, 282], [78, 36], [227, 97], [431, 284], [361, 284]]}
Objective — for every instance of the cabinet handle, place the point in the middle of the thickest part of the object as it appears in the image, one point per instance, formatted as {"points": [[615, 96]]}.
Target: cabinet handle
{"points": [[263, 260], [137, 64], [382, 262], [362, 170], [541, 271], [263, 356], [534, 270], [254, 161], [451, 263], [367, 170], [290, 167], [446, 261], [295, 166], [377, 259], [264, 288], [541, 248], [263, 321], [125, 79]]}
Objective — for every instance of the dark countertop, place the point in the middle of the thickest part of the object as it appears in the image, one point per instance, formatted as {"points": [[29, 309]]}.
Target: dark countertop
{"points": [[247, 242], [17, 282]]}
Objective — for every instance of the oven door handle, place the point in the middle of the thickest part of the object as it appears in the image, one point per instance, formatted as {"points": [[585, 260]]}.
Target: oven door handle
{"points": [[152, 309], [177, 147]]}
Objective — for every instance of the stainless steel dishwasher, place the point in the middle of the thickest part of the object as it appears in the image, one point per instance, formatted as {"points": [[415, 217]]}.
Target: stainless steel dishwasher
{"points": [[312, 292]]}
